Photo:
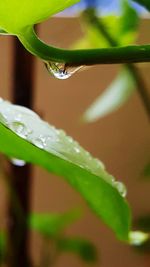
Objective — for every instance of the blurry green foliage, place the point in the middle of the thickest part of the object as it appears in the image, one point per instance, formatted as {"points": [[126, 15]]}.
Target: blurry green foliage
{"points": [[2, 247], [145, 3], [122, 29], [50, 225], [117, 93], [146, 171], [83, 248], [143, 223], [105, 32]]}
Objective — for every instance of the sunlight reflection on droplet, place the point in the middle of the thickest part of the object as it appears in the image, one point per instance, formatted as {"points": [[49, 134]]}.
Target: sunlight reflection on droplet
{"points": [[60, 70]]}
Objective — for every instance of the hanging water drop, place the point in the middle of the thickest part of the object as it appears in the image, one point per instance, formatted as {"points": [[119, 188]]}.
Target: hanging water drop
{"points": [[18, 162], [138, 238], [61, 70]]}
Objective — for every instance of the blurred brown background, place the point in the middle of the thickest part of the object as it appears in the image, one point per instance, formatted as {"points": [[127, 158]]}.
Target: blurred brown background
{"points": [[121, 141]]}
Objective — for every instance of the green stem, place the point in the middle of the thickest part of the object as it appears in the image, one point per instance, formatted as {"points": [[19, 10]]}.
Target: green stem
{"points": [[141, 88], [90, 16], [113, 55]]}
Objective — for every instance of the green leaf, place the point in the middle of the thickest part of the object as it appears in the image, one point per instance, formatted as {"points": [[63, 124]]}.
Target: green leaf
{"points": [[3, 32], [16, 14], [112, 98], [128, 24], [50, 225], [83, 248], [25, 136], [144, 3]]}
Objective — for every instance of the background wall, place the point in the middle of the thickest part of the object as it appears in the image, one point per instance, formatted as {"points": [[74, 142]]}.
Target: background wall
{"points": [[121, 141]]}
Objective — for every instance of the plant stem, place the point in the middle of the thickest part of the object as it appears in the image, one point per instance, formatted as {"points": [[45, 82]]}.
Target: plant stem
{"points": [[18, 237], [90, 16], [112, 55], [141, 88]]}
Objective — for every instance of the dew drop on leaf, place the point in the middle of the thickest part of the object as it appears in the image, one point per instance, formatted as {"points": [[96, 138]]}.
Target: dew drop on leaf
{"points": [[21, 129], [28, 125], [18, 162], [121, 188], [77, 150], [40, 142], [60, 70]]}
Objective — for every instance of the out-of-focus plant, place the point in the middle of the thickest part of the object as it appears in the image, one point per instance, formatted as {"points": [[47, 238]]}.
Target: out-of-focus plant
{"points": [[51, 229], [2, 248], [24, 137], [146, 171], [113, 31]]}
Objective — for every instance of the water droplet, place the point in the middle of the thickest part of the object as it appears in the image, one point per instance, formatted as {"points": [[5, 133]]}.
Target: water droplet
{"points": [[99, 164], [61, 133], [112, 179], [40, 142], [20, 129], [87, 154], [18, 162], [18, 126], [61, 70], [3, 119], [137, 238], [70, 139], [121, 188], [77, 149]]}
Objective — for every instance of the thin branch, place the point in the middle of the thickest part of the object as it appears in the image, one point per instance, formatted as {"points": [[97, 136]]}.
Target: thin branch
{"points": [[113, 55], [141, 88], [90, 16]]}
